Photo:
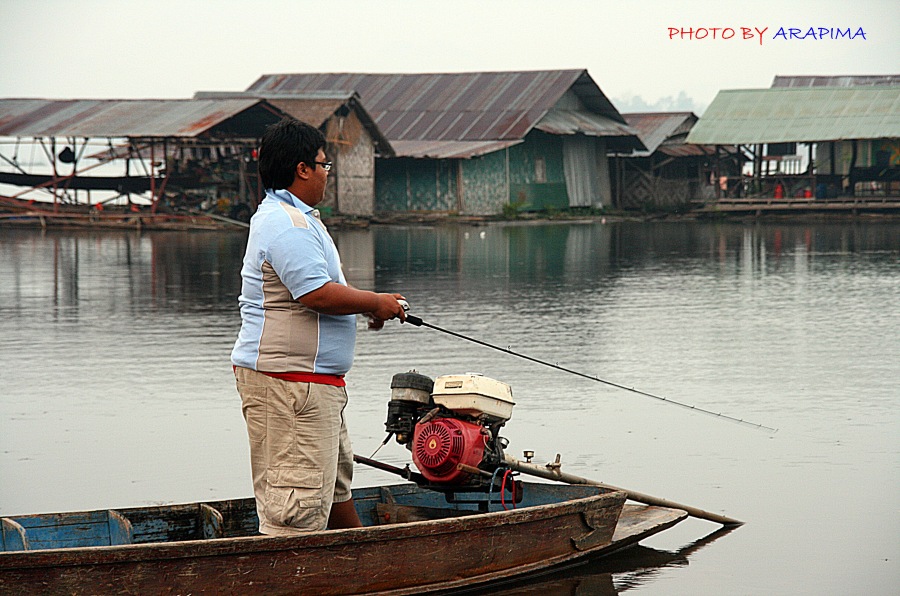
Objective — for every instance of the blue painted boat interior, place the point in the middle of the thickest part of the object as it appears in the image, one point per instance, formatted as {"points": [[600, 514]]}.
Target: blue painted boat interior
{"points": [[234, 518]]}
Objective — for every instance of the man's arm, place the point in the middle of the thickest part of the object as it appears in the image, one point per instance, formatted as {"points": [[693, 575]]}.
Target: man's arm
{"points": [[337, 299]]}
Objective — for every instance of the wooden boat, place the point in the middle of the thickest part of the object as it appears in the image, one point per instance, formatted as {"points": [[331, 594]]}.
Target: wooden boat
{"points": [[415, 541]]}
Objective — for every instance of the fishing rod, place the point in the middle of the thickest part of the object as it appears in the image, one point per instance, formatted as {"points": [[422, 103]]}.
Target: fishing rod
{"points": [[418, 322]]}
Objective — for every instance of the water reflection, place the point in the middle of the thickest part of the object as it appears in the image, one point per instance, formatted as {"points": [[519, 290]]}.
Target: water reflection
{"points": [[71, 272], [132, 270], [528, 251], [571, 252], [116, 390], [357, 249], [615, 574]]}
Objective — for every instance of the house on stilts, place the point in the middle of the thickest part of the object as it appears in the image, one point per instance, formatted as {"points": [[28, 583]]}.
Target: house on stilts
{"points": [[812, 143], [76, 161]]}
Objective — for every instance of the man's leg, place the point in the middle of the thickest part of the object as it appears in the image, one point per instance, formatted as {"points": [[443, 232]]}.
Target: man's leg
{"points": [[343, 515], [295, 438], [343, 511], [253, 398]]}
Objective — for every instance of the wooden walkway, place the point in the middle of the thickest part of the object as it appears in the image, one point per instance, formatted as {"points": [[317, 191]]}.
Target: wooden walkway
{"points": [[769, 205], [24, 214], [117, 221]]}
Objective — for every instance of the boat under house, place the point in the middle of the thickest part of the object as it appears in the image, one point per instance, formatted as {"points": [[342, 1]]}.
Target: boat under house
{"points": [[483, 143]]}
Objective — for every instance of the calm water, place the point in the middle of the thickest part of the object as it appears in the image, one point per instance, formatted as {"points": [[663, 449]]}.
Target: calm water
{"points": [[116, 390]]}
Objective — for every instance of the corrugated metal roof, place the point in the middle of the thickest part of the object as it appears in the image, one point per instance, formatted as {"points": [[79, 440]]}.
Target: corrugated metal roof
{"points": [[569, 122], [450, 149], [475, 106], [654, 128], [835, 81], [144, 118], [689, 150], [785, 115], [314, 108]]}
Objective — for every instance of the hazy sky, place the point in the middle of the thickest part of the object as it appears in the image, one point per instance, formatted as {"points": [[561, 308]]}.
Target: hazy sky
{"points": [[168, 49]]}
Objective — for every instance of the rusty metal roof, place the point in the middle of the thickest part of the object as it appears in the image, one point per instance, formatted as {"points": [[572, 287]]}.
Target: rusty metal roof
{"points": [[136, 118], [315, 109], [473, 106], [805, 114], [569, 122], [655, 128], [835, 81], [450, 149], [666, 132], [684, 150]]}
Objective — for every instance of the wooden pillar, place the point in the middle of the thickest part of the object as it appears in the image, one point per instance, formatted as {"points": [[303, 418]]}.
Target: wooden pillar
{"points": [[716, 173], [811, 167], [55, 175], [152, 177], [832, 157], [460, 195]]}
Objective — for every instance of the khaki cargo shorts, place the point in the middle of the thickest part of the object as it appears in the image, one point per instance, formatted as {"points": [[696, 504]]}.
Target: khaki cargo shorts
{"points": [[300, 453]]}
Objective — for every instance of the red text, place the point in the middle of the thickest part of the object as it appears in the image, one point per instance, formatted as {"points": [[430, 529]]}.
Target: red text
{"points": [[700, 33]]}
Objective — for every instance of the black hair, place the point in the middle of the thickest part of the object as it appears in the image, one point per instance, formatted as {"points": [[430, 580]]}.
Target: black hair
{"points": [[283, 146]]}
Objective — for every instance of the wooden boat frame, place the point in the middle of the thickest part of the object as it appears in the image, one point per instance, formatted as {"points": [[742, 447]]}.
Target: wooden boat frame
{"points": [[421, 544]]}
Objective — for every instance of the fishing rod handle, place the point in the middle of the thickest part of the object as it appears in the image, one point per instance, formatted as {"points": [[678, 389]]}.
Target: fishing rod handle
{"points": [[413, 319]]}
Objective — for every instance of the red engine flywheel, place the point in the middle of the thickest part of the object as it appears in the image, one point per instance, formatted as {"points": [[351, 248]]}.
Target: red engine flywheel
{"points": [[440, 445]]}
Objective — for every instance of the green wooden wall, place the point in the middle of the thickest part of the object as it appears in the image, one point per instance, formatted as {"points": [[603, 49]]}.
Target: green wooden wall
{"points": [[437, 185], [406, 184]]}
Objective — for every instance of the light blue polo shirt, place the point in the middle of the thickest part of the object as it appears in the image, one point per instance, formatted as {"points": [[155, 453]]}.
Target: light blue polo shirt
{"points": [[289, 254]]}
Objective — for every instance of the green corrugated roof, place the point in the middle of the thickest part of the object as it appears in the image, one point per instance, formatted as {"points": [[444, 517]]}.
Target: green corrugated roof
{"points": [[781, 115]]}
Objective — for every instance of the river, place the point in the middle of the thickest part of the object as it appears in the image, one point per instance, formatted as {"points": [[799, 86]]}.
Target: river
{"points": [[116, 389]]}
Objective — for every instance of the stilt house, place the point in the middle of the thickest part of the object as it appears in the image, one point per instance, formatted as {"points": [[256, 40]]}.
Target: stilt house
{"points": [[178, 153], [840, 138]]}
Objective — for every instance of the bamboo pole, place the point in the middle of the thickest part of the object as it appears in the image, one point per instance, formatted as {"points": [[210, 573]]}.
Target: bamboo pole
{"points": [[553, 472]]}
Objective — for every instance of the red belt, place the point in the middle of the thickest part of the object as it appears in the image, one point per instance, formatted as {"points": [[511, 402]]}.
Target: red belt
{"points": [[307, 377]]}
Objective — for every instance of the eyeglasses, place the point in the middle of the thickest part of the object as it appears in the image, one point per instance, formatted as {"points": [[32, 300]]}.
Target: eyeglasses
{"points": [[326, 165]]}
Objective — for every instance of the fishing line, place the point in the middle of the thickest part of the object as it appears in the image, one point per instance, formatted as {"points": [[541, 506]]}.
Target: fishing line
{"points": [[418, 322]]}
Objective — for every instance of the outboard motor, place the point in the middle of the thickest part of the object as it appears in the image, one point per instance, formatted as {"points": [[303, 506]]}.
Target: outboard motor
{"points": [[451, 425]]}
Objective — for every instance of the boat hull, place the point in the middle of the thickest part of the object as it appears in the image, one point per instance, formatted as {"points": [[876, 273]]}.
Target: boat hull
{"points": [[564, 524]]}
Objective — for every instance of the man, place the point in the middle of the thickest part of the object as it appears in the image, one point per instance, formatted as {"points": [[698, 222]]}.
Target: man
{"points": [[298, 331]]}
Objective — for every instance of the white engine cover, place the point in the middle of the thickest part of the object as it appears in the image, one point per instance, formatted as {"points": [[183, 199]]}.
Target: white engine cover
{"points": [[474, 395]]}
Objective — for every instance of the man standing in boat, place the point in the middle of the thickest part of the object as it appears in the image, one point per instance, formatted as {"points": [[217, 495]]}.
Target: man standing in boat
{"points": [[296, 343]]}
